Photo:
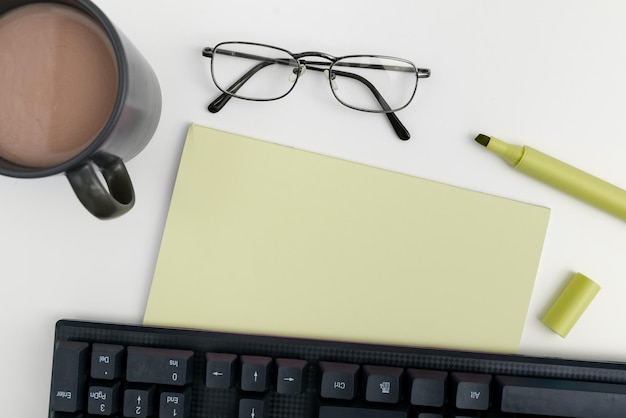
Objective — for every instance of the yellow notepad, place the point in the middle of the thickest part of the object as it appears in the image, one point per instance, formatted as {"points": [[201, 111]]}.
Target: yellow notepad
{"points": [[263, 238]]}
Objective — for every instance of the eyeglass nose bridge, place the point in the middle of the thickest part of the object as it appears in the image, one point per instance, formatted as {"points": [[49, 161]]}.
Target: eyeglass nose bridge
{"points": [[323, 55]]}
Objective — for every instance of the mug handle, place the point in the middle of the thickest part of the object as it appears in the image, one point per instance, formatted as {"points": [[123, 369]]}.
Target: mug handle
{"points": [[103, 203]]}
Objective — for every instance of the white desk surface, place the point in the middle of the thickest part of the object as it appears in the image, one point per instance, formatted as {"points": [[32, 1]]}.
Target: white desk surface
{"points": [[547, 74]]}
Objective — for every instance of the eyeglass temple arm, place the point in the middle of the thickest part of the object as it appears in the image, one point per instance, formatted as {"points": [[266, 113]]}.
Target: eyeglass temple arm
{"points": [[217, 104], [398, 126], [421, 72]]}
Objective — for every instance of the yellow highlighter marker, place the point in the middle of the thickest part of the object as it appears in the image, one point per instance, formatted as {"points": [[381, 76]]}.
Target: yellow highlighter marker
{"points": [[559, 175]]}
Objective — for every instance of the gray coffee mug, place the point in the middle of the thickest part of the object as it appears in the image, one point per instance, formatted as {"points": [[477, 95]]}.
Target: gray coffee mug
{"points": [[128, 129]]}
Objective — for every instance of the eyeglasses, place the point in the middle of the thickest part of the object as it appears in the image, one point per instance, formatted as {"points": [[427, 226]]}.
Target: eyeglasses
{"points": [[369, 83]]}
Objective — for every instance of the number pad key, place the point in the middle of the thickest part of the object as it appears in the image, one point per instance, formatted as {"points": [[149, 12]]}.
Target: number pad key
{"points": [[103, 400], [159, 366], [106, 361], [175, 404], [70, 366], [139, 403]]}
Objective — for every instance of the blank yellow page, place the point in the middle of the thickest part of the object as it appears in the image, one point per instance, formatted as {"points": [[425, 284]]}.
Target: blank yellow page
{"points": [[263, 238]]}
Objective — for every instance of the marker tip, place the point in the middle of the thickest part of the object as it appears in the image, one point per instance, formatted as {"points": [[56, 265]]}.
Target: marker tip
{"points": [[482, 140]]}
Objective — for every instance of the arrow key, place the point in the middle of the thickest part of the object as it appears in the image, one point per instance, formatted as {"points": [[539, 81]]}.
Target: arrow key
{"points": [[220, 370], [255, 373], [252, 408], [289, 379]]}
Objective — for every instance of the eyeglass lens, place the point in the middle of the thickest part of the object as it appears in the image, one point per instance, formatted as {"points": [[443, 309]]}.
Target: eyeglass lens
{"points": [[252, 71], [373, 84]]}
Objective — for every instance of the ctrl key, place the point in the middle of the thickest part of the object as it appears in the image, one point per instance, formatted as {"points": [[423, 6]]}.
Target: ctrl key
{"points": [[70, 368], [338, 380]]}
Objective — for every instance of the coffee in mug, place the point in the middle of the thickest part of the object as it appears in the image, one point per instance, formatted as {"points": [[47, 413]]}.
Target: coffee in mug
{"points": [[76, 95], [59, 81]]}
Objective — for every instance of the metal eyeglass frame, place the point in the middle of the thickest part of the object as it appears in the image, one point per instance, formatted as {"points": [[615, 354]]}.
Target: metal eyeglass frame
{"points": [[217, 105]]}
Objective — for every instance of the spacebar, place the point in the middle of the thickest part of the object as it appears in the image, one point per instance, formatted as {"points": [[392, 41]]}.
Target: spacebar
{"points": [[563, 398], [345, 412]]}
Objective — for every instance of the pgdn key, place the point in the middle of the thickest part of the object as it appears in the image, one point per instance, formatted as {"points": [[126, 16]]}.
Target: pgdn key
{"points": [[160, 366]]}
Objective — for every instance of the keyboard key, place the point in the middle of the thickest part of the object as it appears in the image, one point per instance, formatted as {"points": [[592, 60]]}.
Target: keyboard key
{"points": [[220, 370], [382, 384], [338, 380], [139, 403], [175, 404], [255, 373], [526, 395], [346, 412], [427, 387], [252, 408], [159, 366], [103, 400], [69, 376], [289, 379], [471, 391], [106, 361]]}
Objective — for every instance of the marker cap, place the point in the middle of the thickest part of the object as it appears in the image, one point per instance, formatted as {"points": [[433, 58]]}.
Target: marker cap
{"points": [[571, 304]]}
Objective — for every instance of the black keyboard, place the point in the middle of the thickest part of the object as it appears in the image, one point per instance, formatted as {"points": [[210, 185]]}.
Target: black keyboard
{"points": [[137, 371]]}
